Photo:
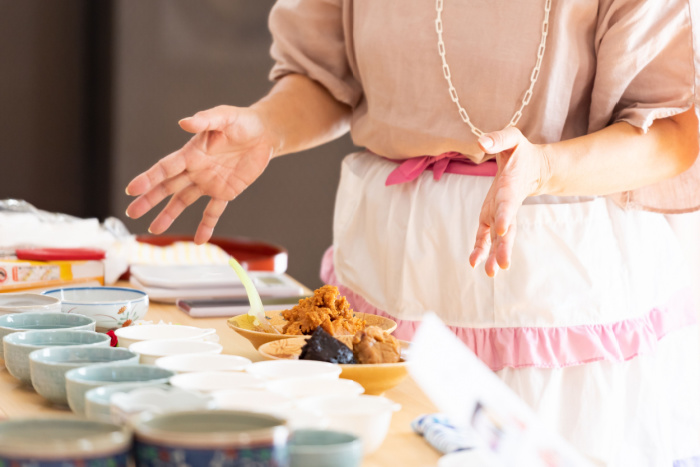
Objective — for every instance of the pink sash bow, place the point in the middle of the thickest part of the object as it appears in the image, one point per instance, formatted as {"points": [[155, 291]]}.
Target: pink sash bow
{"points": [[448, 162]]}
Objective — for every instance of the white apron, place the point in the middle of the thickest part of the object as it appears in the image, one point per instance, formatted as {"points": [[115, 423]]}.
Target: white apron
{"points": [[592, 325]]}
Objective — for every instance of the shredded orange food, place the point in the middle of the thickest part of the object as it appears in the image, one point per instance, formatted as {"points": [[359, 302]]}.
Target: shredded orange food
{"points": [[326, 308]]}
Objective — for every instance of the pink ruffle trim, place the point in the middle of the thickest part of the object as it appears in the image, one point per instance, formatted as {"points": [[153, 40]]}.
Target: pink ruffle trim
{"points": [[549, 347]]}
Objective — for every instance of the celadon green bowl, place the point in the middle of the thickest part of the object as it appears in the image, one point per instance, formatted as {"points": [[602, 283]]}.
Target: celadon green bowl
{"points": [[16, 322], [19, 345], [48, 366]]}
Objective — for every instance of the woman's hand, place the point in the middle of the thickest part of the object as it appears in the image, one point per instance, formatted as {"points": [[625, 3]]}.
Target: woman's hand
{"points": [[523, 170], [230, 149]]}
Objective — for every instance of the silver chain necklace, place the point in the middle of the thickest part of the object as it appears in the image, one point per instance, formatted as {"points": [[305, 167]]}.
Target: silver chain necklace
{"points": [[533, 76]]}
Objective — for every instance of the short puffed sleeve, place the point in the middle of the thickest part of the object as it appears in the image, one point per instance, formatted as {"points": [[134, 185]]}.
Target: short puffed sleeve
{"points": [[648, 68], [309, 39]]}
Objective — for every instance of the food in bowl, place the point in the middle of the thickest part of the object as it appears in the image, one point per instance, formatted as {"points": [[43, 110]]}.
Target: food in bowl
{"points": [[370, 345], [375, 378], [323, 347], [325, 309], [243, 325]]}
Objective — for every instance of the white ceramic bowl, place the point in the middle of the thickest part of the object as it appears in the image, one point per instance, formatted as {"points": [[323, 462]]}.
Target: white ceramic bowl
{"points": [[295, 369], [111, 307], [145, 332], [189, 363], [210, 381], [150, 351], [300, 388], [253, 400], [156, 400], [28, 302], [98, 400], [368, 417]]}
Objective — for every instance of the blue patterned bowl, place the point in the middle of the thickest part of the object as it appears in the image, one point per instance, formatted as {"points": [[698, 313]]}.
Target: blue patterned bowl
{"points": [[48, 366], [111, 307], [202, 437], [63, 442]]}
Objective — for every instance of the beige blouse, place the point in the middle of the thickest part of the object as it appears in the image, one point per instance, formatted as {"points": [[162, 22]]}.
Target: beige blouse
{"points": [[606, 61]]}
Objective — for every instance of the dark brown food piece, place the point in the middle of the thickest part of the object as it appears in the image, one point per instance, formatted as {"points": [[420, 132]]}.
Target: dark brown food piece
{"points": [[373, 345], [325, 348], [326, 309]]}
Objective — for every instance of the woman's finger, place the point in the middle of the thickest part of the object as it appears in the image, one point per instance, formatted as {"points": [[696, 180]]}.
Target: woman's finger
{"points": [[177, 204], [499, 141], [504, 248], [153, 197], [168, 167], [491, 266], [481, 245], [211, 216]]}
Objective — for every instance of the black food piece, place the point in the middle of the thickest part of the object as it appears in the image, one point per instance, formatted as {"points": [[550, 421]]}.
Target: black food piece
{"points": [[326, 348]]}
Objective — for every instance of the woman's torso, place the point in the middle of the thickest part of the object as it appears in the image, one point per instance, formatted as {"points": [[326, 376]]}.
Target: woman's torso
{"points": [[491, 48]]}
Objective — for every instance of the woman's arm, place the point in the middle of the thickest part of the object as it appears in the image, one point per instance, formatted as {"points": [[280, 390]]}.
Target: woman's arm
{"points": [[302, 114], [231, 148], [617, 158]]}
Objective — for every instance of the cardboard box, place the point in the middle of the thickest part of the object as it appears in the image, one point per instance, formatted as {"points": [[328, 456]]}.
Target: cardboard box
{"points": [[19, 275]]}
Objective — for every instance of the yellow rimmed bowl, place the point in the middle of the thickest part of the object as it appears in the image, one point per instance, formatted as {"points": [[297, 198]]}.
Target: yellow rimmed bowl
{"points": [[376, 378], [243, 325]]}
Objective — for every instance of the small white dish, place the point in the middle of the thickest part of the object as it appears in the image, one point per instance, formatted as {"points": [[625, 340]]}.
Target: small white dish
{"points": [[150, 351], [368, 417], [295, 369], [268, 402], [143, 332], [254, 400], [190, 363], [300, 388], [27, 303], [156, 400], [97, 400], [210, 381]]}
